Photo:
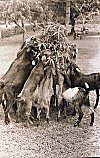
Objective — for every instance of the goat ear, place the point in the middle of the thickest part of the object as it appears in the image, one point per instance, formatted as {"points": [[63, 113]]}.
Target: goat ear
{"points": [[86, 85]]}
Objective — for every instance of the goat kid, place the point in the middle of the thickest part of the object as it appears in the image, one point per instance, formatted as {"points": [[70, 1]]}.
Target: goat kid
{"points": [[78, 97]]}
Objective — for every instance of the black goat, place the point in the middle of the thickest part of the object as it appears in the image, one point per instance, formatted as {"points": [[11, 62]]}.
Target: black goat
{"points": [[78, 79]]}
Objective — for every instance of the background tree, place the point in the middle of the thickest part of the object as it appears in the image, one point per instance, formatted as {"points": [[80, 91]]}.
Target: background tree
{"points": [[20, 12], [83, 9]]}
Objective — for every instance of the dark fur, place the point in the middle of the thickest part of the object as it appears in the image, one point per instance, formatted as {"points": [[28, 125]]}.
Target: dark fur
{"points": [[78, 79], [15, 78]]}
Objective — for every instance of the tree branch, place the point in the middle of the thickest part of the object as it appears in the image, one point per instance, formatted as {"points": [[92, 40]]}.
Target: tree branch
{"points": [[19, 25]]}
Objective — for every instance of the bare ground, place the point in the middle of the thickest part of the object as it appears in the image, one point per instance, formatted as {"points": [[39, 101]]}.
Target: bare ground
{"points": [[58, 139]]}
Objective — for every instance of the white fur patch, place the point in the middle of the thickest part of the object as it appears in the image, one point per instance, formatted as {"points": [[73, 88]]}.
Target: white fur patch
{"points": [[4, 102], [78, 69], [20, 94], [33, 62], [70, 93], [86, 84], [91, 110], [76, 50], [3, 98]]}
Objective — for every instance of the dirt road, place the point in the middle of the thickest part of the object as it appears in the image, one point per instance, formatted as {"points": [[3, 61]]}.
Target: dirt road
{"points": [[56, 140]]}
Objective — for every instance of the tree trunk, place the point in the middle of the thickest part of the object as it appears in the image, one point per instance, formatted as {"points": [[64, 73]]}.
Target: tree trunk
{"points": [[22, 27], [22, 21]]}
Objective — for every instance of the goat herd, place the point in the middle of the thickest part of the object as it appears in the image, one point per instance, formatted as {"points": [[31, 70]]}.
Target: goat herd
{"points": [[43, 69]]}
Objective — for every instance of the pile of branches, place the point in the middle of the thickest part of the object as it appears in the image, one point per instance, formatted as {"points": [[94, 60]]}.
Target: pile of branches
{"points": [[54, 43], [56, 32]]}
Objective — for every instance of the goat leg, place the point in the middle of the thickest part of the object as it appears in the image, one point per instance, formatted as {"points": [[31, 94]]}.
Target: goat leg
{"points": [[59, 111], [59, 107], [26, 111], [97, 99], [74, 112], [92, 119], [18, 112], [38, 116], [58, 114], [47, 114], [65, 113], [92, 115], [7, 120], [80, 117], [6, 111]]}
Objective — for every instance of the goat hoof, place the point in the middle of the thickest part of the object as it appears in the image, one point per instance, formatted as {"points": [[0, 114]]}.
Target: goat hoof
{"points": [[17, 121], [75, 124], [95, 107], [37, 124], [7, 121], [64, 117], [74, 114], [30, 122], [48, 120], [26, 124], [57, 119], [91, 124]]}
